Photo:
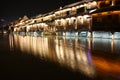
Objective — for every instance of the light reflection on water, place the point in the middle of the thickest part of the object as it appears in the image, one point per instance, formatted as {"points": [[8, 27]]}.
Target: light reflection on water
{"points": [[106, 45], [74, 53], [65, 51]]}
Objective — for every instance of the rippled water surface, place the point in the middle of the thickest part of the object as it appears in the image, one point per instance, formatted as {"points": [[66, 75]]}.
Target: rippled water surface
{"points": [[55, 57]]}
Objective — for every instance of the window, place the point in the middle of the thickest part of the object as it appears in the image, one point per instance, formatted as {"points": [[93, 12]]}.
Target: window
{"points": [[80, 10], [68, 12], [74, 21], [105, 4], [35, 21]]}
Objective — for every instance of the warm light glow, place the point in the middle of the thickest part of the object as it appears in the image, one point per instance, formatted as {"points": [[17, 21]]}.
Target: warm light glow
{"points": [[73, 18], [61, 51], [86, 16], [80, 19], [105, 13], [112, 36], [11, 42], [92, 10], [91, 5], [106, 66], [68, 19]]}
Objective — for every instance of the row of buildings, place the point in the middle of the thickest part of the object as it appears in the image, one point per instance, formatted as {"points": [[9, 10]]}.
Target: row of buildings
{"points": [[83, 18]]}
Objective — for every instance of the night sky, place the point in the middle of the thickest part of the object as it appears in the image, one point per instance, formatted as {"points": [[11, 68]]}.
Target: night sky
{"points": [[13, 9]]}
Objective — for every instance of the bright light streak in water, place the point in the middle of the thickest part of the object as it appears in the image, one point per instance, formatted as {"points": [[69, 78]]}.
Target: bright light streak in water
{"points": [[73, 53], [11, 42], [58, 50], [106, 66]]}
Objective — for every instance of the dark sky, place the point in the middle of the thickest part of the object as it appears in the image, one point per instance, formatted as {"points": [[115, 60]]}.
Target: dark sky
{"points": [[13, 9]]}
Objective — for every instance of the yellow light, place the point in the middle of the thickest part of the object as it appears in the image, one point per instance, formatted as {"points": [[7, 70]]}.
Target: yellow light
{"points": [[73, 18], [68, 19], [79, 17], [86, 16]]}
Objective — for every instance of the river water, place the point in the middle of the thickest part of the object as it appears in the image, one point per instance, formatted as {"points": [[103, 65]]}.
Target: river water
{"points": [[58, 58]]}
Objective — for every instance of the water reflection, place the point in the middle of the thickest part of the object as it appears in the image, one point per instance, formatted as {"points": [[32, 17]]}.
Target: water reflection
{"points": [[106, 45], [11, 42], [117, 46], [106, 57], [102, 45], [78, 54], [106, 67], [65, 51]]}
